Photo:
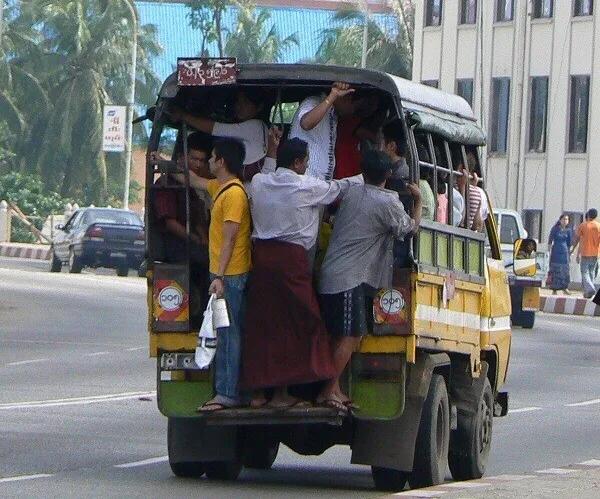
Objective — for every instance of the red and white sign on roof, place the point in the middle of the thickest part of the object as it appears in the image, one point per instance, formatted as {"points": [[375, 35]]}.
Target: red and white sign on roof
{"points": [[206, 71]]}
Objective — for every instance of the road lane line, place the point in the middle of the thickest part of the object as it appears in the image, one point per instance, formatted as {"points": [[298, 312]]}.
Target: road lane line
{"points": [[145, 462], [75, 401], [420, 493], [591, 462], [465, 485], [508, 478], [555, 471], [136, 349], [524, 409], [96, 354], [586, 402], [24, 477], [23, 362]]}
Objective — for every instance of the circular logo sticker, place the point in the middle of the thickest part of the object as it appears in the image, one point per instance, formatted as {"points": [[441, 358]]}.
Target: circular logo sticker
{"points": [[391, 301], [170, 298]]}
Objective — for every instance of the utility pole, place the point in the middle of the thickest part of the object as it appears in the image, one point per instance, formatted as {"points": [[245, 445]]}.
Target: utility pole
{"points": [[365, 41], [131, 101]]}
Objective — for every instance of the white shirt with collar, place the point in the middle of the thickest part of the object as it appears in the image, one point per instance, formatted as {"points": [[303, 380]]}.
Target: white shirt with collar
{"points": [[286, 206]]}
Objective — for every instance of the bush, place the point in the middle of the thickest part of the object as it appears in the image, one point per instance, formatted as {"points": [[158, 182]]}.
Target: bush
{"points": [[28, 193]]}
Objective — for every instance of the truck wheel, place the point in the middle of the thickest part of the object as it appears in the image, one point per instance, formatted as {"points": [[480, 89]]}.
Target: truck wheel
{"points": [[74, 263], [388, 480], [55, 263], [431, 448], [181, 469], [470, 443], [260, 451], [223, 470], [123, 271]]}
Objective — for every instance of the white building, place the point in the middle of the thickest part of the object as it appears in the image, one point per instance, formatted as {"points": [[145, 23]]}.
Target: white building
{"points": [[528, 67]]}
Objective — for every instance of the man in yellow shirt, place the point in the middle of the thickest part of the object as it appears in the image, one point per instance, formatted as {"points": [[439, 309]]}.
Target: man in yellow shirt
{"points": [[588, 239], [229, 261]]}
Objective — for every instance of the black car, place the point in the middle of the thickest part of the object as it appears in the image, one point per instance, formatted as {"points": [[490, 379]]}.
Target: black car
{"points": [[99, 237]]}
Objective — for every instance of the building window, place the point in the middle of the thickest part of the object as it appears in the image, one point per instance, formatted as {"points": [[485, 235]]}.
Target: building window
{"points": [[578, 113], [532, 220], [431, 83], [542, 8], [583, 7], [499, 116], [464, 88], [538, 114], [468, 12], [433, 13], [504, 10]]}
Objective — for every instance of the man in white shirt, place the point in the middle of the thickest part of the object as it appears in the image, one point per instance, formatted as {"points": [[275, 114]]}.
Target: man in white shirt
{"points": [[316, 122], [250, 130], [285, 341]]}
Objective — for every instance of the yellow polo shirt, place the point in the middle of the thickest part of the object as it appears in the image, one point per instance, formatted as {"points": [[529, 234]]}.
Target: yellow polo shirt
{"points": [[231, 206]]}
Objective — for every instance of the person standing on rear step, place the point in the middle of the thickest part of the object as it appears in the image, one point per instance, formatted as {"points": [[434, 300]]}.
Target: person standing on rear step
{"points": [[359, 261], [229, 262]]}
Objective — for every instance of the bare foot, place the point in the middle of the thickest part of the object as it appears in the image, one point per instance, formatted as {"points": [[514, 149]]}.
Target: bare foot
{"points": [[258, 400]]}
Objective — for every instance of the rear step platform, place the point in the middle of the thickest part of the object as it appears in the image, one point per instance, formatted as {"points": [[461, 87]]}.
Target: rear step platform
{"points": [[269, 416]]}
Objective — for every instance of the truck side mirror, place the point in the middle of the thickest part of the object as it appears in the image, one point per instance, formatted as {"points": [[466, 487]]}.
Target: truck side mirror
{"points": [[524, 257]]}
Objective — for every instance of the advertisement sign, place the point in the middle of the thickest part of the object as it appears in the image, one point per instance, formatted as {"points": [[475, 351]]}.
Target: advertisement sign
{"points": [[206, 71], [113, 128]]}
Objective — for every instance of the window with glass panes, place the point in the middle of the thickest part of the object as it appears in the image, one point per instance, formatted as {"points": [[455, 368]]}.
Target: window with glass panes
{"points": [[583, 7], [578, 113], [542, 8], [499, 115], [464, 88], [431, 83], [538, 113], [504, 10], [433, 12], [468, 12]]}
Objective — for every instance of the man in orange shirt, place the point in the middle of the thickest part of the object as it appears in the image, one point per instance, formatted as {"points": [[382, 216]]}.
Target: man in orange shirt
{"points": [[588, 238]]}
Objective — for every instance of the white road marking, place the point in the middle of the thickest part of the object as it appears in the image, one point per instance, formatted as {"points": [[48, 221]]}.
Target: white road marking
{"points": [[145, 462], [591, 462], [556, 471], [75, 401], [508, 478], [524, 409], [465, 485], [586, 402], [95, 354], [24, 477], [421, 493], [136, 348], [23, 362]]}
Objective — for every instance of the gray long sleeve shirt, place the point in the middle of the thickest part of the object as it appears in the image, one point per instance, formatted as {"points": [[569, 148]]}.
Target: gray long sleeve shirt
{"points": [[361, 246]]}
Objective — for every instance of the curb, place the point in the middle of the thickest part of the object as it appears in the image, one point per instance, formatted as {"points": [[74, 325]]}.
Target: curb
{"points": [[486, 485], [569, 305], [22, 250]]}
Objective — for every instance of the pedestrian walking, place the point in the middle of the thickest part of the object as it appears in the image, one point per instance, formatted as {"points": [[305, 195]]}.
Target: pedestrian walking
{"points": [[588, 240], [559, 243]]}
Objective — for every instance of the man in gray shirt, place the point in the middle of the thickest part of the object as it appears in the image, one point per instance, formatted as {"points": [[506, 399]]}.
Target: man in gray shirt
{"points": [[360, 260]]}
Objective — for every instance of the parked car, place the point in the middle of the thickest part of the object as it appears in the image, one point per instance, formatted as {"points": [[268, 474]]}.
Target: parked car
{"points": [[99, 237]]}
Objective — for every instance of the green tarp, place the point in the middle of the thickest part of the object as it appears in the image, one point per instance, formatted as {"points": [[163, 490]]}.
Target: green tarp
{"points": [[451, 128]]}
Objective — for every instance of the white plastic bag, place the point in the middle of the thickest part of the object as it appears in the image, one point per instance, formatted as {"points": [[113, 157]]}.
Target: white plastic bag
{"points": [[206, 347]]}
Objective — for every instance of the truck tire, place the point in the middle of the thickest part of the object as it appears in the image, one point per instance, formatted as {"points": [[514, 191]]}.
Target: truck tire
{"points": [[55, 263], [181, 469], [471, 442], [259, 451], [431, 448], [388, 480], [75, 266], [223, 470]]}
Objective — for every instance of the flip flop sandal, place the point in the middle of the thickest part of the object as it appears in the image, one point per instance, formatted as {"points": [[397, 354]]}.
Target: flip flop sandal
{"points": [[297, 404], [334, 404], [350, 405], [208, 407]]}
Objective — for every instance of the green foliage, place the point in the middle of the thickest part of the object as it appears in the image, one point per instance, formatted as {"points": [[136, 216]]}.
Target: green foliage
{"points": [[29, 194], [206, 16], [342, 44]]}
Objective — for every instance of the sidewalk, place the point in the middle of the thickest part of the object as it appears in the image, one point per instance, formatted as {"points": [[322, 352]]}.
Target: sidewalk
{"points": [[580, 480], [574, 304], [24, 250]]}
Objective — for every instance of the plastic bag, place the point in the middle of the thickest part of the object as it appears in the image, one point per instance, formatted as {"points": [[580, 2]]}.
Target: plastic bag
{"points": [[206, 346]]}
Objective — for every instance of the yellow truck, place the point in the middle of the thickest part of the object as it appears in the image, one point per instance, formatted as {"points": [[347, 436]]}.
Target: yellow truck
{"points": [[428, 378]]}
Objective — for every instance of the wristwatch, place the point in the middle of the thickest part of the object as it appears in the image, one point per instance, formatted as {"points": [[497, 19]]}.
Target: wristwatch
{"points": [[220, 277]]}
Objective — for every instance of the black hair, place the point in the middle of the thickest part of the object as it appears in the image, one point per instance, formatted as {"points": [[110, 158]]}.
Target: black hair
{"points": [[197, 141], [256, 95], [592, 213], [232, 151], [291, 150], [393, 131], [376, 166]]}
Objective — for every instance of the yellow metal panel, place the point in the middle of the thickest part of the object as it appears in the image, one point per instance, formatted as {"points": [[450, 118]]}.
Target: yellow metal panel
{"points": [[531, 299], [172, 342], [496, 299], [383, 344], [501, 340]]}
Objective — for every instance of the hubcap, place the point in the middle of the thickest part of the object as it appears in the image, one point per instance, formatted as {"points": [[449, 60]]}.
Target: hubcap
{"points": [[485, 427]]}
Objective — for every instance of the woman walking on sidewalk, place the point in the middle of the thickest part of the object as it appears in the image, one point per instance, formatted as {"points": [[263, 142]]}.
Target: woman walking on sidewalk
{"points": [[559, 243]]}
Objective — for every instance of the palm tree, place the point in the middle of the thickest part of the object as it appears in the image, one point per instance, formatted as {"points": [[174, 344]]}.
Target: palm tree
{"points": [[252, 41], [207, 17], [343, 44], [84, 64]]}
